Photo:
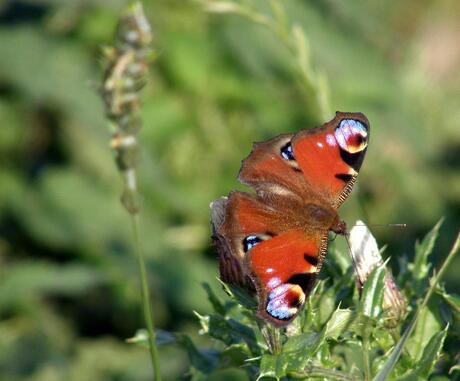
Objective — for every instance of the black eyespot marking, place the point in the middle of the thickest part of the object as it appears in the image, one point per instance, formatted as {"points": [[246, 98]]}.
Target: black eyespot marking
{"points": [[250, 241], [345, 177], [297, 302], [354, 160], [305, 281], [311, 260], [360, 139], [286, 152]]}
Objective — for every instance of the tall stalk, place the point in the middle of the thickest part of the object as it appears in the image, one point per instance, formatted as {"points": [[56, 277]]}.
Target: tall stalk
{"points": [[313, 83], [124, 77]]}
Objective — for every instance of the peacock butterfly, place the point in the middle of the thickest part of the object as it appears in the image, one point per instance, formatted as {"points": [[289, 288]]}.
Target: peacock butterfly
{"points": [[273, 243]]}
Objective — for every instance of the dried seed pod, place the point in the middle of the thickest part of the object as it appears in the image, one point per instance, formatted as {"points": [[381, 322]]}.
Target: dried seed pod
{"points": [[366, 257], [124, 77]]}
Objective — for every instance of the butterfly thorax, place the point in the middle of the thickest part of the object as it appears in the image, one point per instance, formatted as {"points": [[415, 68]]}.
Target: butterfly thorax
{"points": [[322, 218]]}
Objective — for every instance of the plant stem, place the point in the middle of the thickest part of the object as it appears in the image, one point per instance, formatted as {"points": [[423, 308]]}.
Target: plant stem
{"points": [[391, 362], [312, 84], [275, 336], [145, 293], [366, 362], [441, 272], [318, 372], [271, 335]]}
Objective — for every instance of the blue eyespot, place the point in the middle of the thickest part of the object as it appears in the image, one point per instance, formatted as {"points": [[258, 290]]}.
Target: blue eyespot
{"points": [[250, 241], [354, 125], [281, 313], [351, 135], [286, 152]]}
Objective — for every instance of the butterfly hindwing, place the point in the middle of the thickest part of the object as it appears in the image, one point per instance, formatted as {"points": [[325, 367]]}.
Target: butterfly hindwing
{"points": [[234, 218], [284, 270], [279, 259]]}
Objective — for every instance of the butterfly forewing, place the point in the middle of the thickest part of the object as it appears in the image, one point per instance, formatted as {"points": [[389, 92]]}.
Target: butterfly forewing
{"points": [[271, 172], [331, 156]]}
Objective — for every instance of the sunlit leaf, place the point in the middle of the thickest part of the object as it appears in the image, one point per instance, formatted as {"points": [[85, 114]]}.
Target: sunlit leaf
{"points": [[372, 294], [429, 358], [229, 331], [214, 300], [421, 266], [340, 321], [452, 300], [427, 326]]}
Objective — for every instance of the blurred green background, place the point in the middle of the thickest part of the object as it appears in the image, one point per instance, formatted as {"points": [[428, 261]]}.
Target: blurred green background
{"points": [[68, 280]]}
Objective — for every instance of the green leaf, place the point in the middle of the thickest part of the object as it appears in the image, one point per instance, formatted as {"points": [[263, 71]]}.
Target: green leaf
{"points": [[339, 261], [241, 296], [426, 327], [372, 295], [230, 374], [429, 358], [205, 361], [278, 366], [421, 267], [340, 321], [229, 331], [234, 355], [432, 353], [202, 360], [452, 300], [306, 342], [392, 360], [326, 305], [214, 300], [270, 366]]}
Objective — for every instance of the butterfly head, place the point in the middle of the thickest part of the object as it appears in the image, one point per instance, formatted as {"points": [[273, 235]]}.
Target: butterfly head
{"points": [[339, 227]]}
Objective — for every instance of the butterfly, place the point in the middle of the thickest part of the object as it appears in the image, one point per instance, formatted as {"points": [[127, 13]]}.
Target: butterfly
{"points": [[273, 242]]}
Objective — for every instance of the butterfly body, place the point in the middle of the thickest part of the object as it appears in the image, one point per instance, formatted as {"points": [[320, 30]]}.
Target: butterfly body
{"points": [[274, 242]]}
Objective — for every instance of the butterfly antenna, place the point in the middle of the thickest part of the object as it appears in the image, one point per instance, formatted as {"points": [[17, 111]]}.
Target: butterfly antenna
{"points": [[383, 225]]}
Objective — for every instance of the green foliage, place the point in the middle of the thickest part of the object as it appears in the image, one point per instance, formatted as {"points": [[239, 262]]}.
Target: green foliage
{"points": [[372, 297], [352, 344], [68, 285]]}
